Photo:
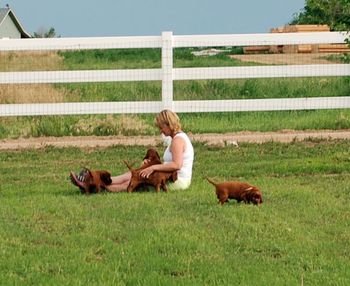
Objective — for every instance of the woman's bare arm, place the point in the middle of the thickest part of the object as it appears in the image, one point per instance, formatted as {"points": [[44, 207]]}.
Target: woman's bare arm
{"points": [[177, 150]]}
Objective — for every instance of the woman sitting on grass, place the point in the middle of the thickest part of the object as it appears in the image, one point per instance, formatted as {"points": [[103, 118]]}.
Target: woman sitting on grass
{"points": [[178, 156]]}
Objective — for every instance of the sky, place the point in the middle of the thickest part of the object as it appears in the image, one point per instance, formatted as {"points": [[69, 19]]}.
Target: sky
{"points": [[92, 18]]}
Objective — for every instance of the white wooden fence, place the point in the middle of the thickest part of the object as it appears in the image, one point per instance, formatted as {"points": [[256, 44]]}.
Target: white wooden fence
{"points": [[167, 73]]}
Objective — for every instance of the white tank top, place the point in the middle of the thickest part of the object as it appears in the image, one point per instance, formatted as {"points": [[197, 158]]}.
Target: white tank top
{"points": [[186, 170]]}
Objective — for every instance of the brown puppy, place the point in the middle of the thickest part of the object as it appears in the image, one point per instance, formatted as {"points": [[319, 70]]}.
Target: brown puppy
{"points": [[152, 157], [157, 179], [94, 181], [237, 190]]}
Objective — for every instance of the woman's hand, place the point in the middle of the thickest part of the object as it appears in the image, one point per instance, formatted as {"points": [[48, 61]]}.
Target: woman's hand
{"points": [[146, 172]]}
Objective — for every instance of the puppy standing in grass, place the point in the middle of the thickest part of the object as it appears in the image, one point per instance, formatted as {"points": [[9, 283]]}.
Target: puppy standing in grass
{"points": [[157, 179], [237, 190]]}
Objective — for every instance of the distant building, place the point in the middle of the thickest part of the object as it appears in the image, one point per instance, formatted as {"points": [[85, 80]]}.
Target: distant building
{"points": [[10, 27]]}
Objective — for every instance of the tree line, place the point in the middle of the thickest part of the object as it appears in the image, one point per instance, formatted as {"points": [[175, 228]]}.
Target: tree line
{"points": [[334, 13]]}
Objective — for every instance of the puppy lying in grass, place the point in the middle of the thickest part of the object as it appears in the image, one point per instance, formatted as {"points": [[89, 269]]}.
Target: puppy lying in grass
{"points": [[92, 181], [239, 191]]}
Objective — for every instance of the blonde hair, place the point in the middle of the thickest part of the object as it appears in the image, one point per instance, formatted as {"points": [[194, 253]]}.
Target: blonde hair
{"points": [[169, 118]]}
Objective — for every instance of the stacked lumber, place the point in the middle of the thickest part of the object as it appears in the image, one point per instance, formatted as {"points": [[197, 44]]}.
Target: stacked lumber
{"points": [[276, 49], [293, 49], [332, 48], [256, 49], [277, 30], [325, 48], [300, 49], [305, 28]]}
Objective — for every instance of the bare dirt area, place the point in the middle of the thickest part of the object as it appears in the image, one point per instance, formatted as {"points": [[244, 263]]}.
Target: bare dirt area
{"points": [[226, 139], [285, 59]]}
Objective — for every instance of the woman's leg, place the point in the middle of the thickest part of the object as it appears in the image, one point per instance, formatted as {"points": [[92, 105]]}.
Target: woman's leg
{"points": [[119, 183]]}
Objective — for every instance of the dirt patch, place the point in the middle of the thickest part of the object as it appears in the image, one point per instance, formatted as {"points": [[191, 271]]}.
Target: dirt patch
{"points": [[233, 139]]}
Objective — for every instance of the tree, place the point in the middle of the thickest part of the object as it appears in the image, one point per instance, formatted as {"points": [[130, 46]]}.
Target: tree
{"points": [[44, 33], [334, 13]]}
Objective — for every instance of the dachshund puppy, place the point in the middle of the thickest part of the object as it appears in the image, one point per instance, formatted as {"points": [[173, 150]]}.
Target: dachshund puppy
{"points": [[157, 179], [93, 181], [237, 190], [152, 157]]}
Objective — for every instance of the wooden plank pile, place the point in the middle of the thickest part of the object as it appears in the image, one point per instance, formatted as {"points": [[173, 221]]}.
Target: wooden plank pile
{"points": [[291, 49], [256, 49], [301, 29]]}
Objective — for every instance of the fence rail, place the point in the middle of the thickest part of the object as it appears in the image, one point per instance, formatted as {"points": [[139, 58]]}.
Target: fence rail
{"points": [[186, 41], [167, 74]]}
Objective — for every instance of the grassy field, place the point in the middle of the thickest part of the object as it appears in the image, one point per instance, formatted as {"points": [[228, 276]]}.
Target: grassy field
{"points": [[109, 125], [52, 235]]}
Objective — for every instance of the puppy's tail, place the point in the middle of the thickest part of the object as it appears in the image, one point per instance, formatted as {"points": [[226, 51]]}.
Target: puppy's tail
{"points": [[129, 167], [211, 181]]}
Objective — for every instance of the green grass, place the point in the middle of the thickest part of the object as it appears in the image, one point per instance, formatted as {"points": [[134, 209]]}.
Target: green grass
{"points": [[261, 88], [52, 235], [108, 125], [209, 89], [112, 59], [143, 58]]}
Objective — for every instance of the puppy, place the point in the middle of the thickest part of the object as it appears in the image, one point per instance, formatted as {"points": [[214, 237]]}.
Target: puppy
{"points": [[157, 179], [94, 181], [237, 190], [152, 157]]}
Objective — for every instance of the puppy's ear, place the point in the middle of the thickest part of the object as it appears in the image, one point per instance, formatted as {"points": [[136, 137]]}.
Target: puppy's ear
{"points": [[250, 194], [106, 177], [259, 198], [245, 196], [149, 153], [152, 155], [256, 196], [147, 156], [156, 155]]}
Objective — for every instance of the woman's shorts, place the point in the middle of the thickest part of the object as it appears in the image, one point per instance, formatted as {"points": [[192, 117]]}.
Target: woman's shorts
{"points": [[179, 184]]}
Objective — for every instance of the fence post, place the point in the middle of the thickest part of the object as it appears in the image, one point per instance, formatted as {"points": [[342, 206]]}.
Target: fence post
{"points": [[167, 70]]}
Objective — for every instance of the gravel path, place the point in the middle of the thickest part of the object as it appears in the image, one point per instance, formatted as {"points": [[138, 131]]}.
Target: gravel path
{"points": [[210, 139]]}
